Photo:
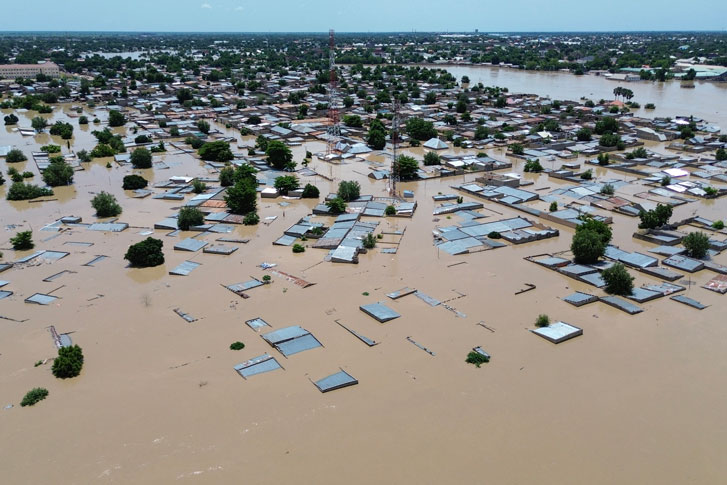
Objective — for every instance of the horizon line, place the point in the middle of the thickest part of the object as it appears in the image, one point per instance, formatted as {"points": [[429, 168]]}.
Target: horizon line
{"points": [[723, 31]]}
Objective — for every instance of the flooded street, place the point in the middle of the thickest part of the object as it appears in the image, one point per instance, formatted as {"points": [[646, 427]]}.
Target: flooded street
{"points": [[636, 399]]}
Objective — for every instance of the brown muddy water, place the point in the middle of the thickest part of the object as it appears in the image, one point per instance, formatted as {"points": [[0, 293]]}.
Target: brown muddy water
{"points": [[636, 399]]}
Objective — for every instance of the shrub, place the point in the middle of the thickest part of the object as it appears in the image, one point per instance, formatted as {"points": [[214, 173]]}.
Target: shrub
{"points": [[50, 149], [198, 186], [665, 180], [34, 396], [38, 123], [494, 235], [369, 241], [349, 190], [697, 244], [543, 320], [196, 143], [710, 191], [28, 175], [141, 139], [22, 241], [84, 156], [432, 158], [102, 150], [517, 149], [227, 176], [603, 159], [298, 248], [58, 172], [203, 126], [553, 206], [720, 154], [476, 358], [23, 191], [587, 175], [267, 279], [237, 345], [146, 253], [105, 205], [584, 134], [650, 106], [134, 182], [533, 166], [390, 210], [310, 192], [606, 125], [15, 156], [141, 158], [337, 205], [188, 217], [656, 217], [286, 183], [11, 119], [82, 120], [610, 140], [116, 118], [718, 225], [618, 280], [279, 155], [68, 363], [251, 219], [608, 189], [62, 129]]}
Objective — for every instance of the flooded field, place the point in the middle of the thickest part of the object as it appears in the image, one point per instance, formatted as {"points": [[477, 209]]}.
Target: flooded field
{"points": [[636, 399]]}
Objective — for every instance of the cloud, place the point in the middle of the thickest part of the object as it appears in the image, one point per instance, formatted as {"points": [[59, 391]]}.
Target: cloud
{"points": [[206, 5]]}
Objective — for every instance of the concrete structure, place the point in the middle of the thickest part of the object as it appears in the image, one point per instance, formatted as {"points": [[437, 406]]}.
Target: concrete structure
{"points": [[14, 71]]}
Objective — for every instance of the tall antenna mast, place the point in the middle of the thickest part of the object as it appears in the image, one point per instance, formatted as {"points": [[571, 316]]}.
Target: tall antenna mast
{"points": [[394, 176], [334, 129]]}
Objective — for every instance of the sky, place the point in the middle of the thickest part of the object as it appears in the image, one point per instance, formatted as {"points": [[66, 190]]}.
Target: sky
{"points": [[362, 15]]}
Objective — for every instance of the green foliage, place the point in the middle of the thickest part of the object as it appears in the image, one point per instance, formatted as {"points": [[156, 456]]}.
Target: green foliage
{"points": [[141, 139], [50, 149], [310, 192], [553, 206], [618, 280], [116, 118], [237, 345], [82, 120], [241, 198], [216, 151], [419, 129], [337, 205], [656, 217], [697, 244], [665, 180], [23, 191], [203, 126], [606, 124], [390, 210], [603, 159], [587, 247], [84, 156], [11, 119], [102, 150], [584, 134], [141, 158], [298, 248], [189, 217], [354, 121], [481, 132], [349, 190], [198, 186], [105, 205], [286, 183], [38, 123], [720, 154], [376, 138], [251, 219], [195, 142], [146, 253], [477, 359], [718, 225], [587, 175], [650, 106], [227, 176], [407, 167], [710, 191], [608, 189], [62, 129], [533, 166], [543, 320], [369, 241], [517, 149], [134, 182], [34, 396], [15, 156], [610, 140], [494, 235], [68, 363], [58, 172], [279, 155], [432, 158], [22, 241]]}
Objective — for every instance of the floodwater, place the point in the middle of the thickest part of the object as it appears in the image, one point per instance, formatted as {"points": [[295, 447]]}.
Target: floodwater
{"points": [[706, 100], [636, 399]]}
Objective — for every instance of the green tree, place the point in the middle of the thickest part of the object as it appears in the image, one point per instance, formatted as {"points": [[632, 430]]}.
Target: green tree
{"points": [[419, 129], [141, 158], [34, 396], [134, 182], [15, 156], [189, 217], [22, 241], [146, 253], [432, 158], [336, 205], [203, 126], [587, 247], [105, 205], [354, 121], [720, 154], [38, 124], [23, 191], [58, 172], [69, 362], [349, 190], [311, 192], [11, 119], [618, 280], [654, 218], [606, 124], [62, 129], [517, 149], [286, 183], [584, 134], [697, 244], [241, 198], [279, 155], [407, 167], [116, 118], [227, 176], [216, 151]]}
